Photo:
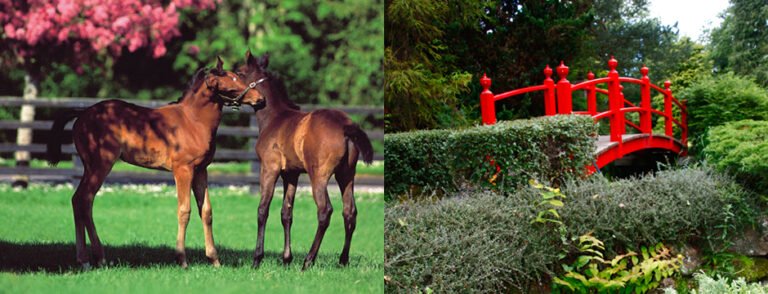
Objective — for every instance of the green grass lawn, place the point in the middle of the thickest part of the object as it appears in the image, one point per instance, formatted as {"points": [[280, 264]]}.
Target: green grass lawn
{"points": [[137, 225], [376, 168]]}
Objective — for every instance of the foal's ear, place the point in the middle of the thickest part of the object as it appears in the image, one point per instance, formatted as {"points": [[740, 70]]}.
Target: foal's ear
{"points": [[219, 64], [264, 60], [249, 60]]}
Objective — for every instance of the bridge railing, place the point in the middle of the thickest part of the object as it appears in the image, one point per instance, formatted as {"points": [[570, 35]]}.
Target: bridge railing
{"points": [[558, 99]]}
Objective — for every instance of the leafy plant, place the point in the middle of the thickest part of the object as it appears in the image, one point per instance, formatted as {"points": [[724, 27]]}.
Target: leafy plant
{"points": [[626, 273], [549, 203]]}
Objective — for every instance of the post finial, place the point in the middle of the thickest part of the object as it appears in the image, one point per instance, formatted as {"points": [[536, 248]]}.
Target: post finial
{"points": [[485, 81], [548, 72], [612, 63], [590, 75], [562, 70], [667, 83]]}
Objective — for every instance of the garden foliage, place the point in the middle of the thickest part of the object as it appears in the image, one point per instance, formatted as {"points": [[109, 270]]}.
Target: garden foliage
{"points": [[625, 273], [487, 242], [716, 101], [741, 148], [503, 156]]}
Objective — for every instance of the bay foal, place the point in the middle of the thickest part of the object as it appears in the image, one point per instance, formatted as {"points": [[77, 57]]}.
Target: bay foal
{"points": [[320, 143], [179, 137]]}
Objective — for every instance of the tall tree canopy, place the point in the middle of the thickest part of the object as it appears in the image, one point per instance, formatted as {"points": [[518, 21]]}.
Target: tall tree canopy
{"points": [[740, 44]]}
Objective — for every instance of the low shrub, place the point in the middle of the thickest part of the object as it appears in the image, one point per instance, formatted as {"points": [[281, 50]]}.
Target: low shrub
{"points": [[503, 156], [741, 148], [492, 243]]}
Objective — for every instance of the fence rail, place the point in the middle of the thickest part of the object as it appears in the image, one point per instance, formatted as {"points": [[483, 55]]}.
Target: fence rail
{"points": [[251, 131]]}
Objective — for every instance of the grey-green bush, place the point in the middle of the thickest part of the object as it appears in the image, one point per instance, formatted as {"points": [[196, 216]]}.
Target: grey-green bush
{"points": [[668, 206], [487, 242], [548, 148]]}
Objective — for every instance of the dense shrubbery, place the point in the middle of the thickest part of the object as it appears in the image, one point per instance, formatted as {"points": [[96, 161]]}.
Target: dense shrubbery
{"points": [[548, 148], [741, 148], [491, 242], [716, 101]]}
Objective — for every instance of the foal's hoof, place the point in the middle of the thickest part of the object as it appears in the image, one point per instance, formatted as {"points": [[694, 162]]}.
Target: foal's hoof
{"points": [[344, 260], [287, 260], [307, 264], [215, 262], [256, 264]]}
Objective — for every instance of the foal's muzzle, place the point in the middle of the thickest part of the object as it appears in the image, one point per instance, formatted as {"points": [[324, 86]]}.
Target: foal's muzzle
{"points": [[235, 102]]}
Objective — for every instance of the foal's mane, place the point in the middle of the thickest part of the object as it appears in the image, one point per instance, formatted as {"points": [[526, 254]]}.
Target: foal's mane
{"points": [[196, 82], [279, 90]]}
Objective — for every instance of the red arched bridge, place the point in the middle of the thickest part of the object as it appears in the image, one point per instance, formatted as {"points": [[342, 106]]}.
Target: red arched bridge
{"points": [[558, 99]]}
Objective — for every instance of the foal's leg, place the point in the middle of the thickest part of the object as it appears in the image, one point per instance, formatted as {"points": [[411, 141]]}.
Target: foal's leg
{"points": [[290, 180], [95, 171], [268, 177], [183, 177], [200, 188], [324, 211], [345, 177]]}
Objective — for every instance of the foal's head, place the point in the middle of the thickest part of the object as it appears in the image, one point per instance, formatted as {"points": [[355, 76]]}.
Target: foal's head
{"points": [[255, 69], [233, 89]]}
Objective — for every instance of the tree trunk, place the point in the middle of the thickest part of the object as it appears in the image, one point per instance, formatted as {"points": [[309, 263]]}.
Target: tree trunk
{"points": [[24, 135]]}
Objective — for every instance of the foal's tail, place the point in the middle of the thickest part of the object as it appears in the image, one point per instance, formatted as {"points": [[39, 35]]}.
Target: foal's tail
{"points": [[360, 138], [57, 135]]}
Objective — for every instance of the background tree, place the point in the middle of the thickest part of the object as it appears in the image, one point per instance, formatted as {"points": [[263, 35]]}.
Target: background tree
{"points": [[740, 43]]}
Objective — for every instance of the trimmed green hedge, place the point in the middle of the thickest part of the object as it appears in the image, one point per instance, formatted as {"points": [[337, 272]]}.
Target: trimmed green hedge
{"points": [[484, 242], [741, 148], [438, 161]]}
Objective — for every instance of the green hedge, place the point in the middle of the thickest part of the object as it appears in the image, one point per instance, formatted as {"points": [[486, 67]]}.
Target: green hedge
{"points": [[439, 161], [741, 148], [484, 242]]}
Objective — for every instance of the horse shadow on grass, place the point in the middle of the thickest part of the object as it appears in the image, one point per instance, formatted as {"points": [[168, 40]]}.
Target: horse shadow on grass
{"points": [[59, 258]]}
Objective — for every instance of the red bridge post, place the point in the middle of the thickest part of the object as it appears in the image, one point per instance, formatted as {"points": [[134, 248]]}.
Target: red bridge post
{"points": [[615, 101], [487, 103], [684, 121], [645, 102], [591, 96], [549, 92], [564, 99], [668, 109]]}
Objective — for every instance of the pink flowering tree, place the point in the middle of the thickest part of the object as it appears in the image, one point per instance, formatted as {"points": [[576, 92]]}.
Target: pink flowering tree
{"points": [[36, 33]]}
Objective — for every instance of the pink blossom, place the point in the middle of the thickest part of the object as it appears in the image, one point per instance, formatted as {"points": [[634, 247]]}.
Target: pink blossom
{"points": [[10, 30], [121, 24], [159, 50]]}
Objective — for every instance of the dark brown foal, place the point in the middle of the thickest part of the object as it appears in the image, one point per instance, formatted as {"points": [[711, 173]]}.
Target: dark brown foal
{"points": [[178, 137], [320, 143]]}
